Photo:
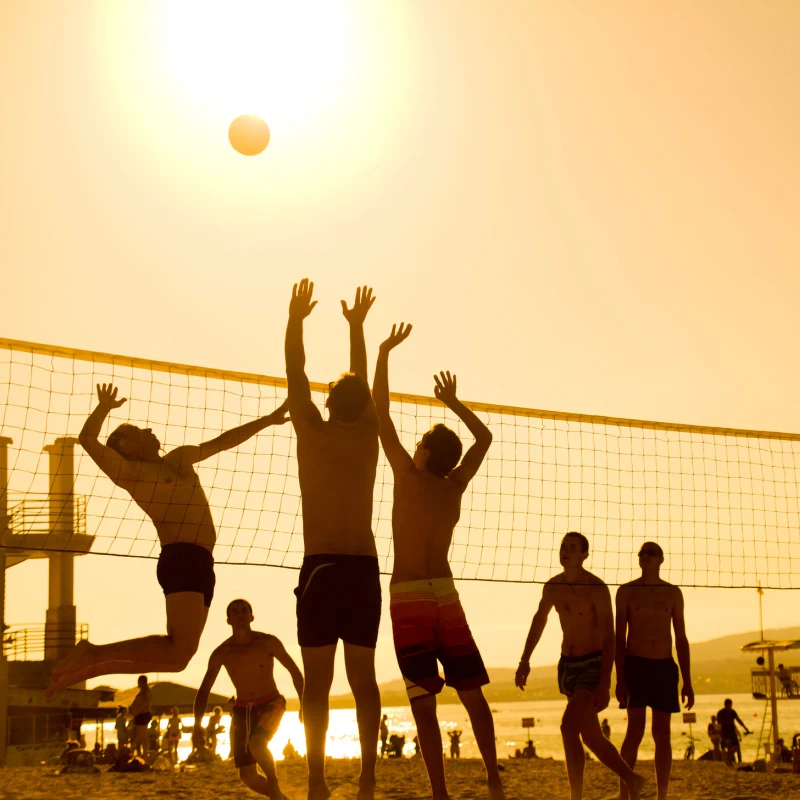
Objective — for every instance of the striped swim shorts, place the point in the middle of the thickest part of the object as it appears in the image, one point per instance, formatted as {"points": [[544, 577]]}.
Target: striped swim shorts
{"points": [[580, 672], [429, 626]]}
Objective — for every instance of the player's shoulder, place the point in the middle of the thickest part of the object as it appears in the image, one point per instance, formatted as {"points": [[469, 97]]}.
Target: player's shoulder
{"points": [[590, 579], [556, 580], [267, 640]]}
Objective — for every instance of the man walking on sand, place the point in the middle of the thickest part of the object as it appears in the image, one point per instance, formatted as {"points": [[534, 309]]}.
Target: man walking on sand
{"points": [[249, 658], [583, 603], [339, 590], [428, 621], [647, 610]]}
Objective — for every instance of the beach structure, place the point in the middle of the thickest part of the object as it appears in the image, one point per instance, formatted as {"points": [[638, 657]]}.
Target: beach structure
{"points": [[50, 525]]}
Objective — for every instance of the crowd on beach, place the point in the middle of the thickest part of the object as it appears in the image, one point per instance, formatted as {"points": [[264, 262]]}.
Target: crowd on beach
{"points": [[338, 596]]}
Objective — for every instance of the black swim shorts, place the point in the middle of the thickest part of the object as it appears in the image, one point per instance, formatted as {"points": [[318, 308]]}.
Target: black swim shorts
{"points": [[143, 718], [261, 717], [652, 682], [580, 672], [338, 597], [186, 567]]}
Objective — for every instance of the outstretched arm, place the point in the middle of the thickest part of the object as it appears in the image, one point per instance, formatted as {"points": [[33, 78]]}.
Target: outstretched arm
{"points": [[111, 462], [355, 317], [279, 651], [622, 644], [534, 634], [301, 406], [682, 649], [395, 452], [445, 390], [201, 698], [191, 454]]}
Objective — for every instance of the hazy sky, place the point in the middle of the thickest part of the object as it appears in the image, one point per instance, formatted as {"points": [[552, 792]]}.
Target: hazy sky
{"points": [[581, 206]]}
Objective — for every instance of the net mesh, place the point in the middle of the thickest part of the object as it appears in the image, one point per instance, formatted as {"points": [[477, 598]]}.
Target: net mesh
{"points": [[722, 503]]}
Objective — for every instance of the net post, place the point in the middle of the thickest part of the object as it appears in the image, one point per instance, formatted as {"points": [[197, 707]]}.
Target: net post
{"points": [[5, 441]]}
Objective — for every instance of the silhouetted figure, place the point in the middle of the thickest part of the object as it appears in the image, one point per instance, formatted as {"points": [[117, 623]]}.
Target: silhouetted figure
{"points": [[648, 609], [384, 731], [248, 657], [583, 603], [120, 725], [428, 622], [290, 752], [530, 750], [715, 735], [141, 712], [339, 592], [173, 735], [727, 719], [605, 728], [455, 743], [168, 490]]}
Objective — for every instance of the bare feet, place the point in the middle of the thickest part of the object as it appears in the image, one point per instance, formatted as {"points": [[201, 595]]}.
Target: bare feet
{"points": [[635, 786], [76, 660], [318, 792]]}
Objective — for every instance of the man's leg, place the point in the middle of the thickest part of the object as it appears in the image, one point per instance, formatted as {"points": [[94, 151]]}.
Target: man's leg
{"points": [[260, 750], [662, 736], [571, 724], [186, 618], [360, 665], [430, 742], [637, 719], [605, 751], [144, 739], [318, 669], [480, 716]]}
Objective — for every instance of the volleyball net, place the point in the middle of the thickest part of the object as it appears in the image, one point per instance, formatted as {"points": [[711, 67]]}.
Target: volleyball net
{"points": [[722, 503]]}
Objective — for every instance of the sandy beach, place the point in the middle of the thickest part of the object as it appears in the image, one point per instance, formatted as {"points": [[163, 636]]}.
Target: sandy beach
{"points": [[403, 780]]}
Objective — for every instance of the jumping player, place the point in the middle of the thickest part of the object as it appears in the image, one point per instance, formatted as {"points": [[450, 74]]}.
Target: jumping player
{"points": [[168, 490], [249, 657], [583, 603], [647, 610], [339, 591], [428, 621]]}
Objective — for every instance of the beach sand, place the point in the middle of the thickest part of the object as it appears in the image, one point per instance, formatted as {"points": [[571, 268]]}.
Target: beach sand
{"points": [[404, 780]]}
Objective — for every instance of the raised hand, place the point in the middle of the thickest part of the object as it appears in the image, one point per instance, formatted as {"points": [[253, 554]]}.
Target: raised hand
{"points": [[300, 305], [397, 336], [445, 389], [278, 416], [363, 303], [107, 396]]}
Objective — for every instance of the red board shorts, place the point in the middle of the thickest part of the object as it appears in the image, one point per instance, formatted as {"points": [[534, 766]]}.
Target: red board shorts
{"points": [[429, 626], [261, 716]]}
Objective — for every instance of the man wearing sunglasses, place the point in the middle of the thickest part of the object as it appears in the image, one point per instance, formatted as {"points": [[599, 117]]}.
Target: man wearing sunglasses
{"points": [[648, 609]]}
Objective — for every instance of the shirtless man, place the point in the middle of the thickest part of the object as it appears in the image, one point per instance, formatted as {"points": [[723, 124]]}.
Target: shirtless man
{"points": [[249, 657], [583, 603], [142, 712], [168, 490], [647, 610], [339, 591], [428, 621]]}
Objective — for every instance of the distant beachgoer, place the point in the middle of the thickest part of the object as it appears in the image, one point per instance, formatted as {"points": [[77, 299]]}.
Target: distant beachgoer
{"points": [[428, 621], [648, 609], [455, 743], [416, 746], [290, 752], [605, 728], [214, 728], [787, 682], [168, 490], [339, 590], [783, 753], [715, 735], [249, 658], [384, 729], [154, 733], [141, 712], [173, 734], [583, 603], [121, 726], [727, 719], [529, 751]]}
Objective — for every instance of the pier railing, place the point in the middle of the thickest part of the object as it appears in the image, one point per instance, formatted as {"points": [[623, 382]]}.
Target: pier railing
{"points": [[27, 642]]}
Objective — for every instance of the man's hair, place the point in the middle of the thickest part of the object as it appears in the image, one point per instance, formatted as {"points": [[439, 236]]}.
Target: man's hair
{"points": [[121, 710], [348, 397], [655, 546], [141, 678], [444, 449], [116, 436], [234, 602], [217, 709], [728, 700], [581, 538]]}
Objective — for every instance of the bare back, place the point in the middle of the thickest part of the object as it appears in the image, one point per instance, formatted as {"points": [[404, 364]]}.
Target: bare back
{"points": [[337, 465], [174, 500], [250, 666], [425, 512], [649, 609], [580, 610]]}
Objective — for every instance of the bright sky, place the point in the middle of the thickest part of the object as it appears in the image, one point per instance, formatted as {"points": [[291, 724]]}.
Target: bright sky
{"points": [[585, 207]]}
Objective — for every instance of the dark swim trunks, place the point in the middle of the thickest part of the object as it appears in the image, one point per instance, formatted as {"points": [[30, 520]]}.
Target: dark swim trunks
{"points": [[262, 717], [338, 597], [143, 718], [579, 672], [652, 682], [186, 567]]}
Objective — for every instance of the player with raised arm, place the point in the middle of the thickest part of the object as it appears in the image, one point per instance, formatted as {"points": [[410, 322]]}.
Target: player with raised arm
{"points": [[168, 490], [583, 603], [647, 610], [249, 657], [339, 591], [428, 621]]}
